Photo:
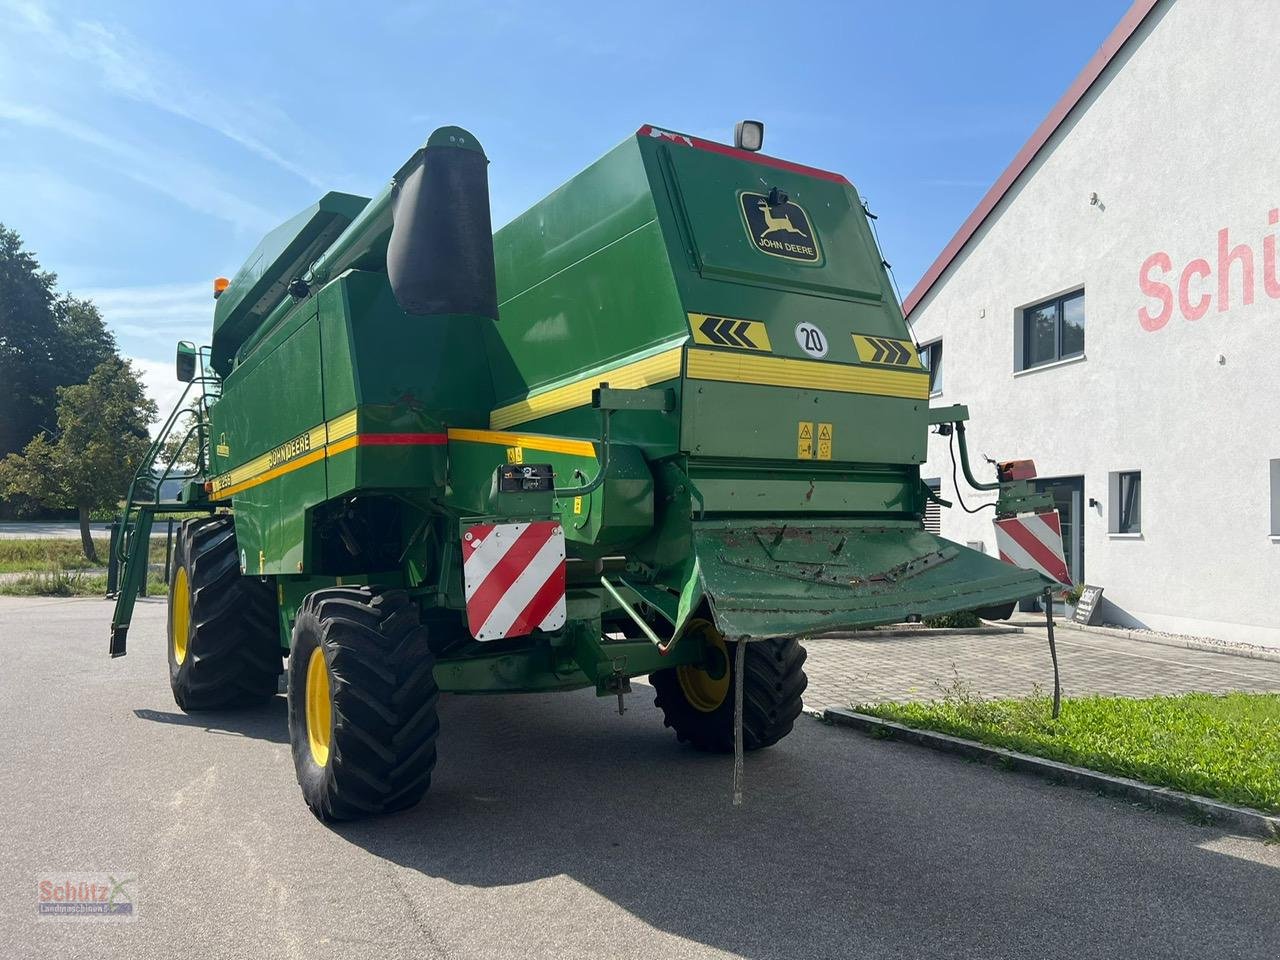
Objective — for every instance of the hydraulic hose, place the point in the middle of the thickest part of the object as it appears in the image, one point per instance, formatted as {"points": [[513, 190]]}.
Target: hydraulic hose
{"points": [[591, 485], [968, 474], [964, 463]]}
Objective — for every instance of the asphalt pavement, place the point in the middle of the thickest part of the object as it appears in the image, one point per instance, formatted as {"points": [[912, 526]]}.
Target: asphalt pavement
{"points": [[556, 828]]}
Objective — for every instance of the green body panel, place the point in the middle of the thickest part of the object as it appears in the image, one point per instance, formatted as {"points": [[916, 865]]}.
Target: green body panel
{"points": [[283, 254], [764, 578], [273, 395], [356, 442], [585, 284], [711, 235], [407, 374], [583, 278], [715, 425]]}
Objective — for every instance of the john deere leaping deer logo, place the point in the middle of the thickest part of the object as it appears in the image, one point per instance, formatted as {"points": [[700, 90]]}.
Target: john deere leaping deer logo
{"points": [[774, 222], [779, 227]]}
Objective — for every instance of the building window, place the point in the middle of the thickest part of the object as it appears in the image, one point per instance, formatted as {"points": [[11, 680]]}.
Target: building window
{"points": [[1275, 498], [1126, 502], [1053, 330], [931, 360], [933, 510]]}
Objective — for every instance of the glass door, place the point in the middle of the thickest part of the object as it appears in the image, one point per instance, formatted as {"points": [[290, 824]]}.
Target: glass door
{"points": [[1068, 500]]}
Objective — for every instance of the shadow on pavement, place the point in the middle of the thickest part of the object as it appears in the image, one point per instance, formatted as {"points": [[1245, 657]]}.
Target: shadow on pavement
{"points": [[844, 846], [266, 721]]}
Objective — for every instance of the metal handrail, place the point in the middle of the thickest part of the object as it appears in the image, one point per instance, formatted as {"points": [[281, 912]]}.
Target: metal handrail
{"points": [[210, 388]]}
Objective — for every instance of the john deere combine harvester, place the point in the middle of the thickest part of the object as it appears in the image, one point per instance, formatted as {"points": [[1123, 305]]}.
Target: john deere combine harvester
{"points": [[666, 422]]}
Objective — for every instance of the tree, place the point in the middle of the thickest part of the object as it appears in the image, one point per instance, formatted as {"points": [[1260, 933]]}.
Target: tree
{"points": [[46, 341], [101, 438]]}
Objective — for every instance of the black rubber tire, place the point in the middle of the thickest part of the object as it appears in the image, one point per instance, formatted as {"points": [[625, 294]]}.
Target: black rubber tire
{"points": [[773, 685], [233, 654], [382, 695]]}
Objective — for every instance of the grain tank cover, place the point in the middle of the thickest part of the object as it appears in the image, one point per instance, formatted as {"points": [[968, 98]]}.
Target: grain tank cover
{"points": [[283, 254]]}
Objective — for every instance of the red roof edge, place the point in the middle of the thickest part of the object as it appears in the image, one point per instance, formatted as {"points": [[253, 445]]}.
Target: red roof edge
{"points": [[1093, 69]]}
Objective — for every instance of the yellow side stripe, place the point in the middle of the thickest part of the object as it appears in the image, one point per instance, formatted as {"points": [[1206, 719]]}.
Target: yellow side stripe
{"points": [[529, 441], [280, 471], [314, 439], [342, 426], [318, 442], [805, 374], [629, 376], [341, 446]]}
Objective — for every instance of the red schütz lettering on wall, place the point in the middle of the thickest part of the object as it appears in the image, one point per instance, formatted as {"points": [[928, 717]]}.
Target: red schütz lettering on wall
{"points": [[1191, 289]]}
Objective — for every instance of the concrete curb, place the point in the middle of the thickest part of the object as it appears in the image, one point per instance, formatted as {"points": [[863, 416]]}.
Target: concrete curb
{"points": [[1249, 821], [875, 633], [1180, 643]]}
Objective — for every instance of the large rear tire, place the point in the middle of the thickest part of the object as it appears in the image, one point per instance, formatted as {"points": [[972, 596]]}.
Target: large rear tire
{"points": [[697, 701], [224, 638], [362, 703]]}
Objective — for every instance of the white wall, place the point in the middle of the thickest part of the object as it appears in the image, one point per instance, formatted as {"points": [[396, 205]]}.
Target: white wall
{"points": [[1180, 138]]}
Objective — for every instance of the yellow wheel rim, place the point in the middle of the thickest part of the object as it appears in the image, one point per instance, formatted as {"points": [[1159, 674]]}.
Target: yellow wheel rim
{"points": [[180, 603], [319, 709], [704, 691]]}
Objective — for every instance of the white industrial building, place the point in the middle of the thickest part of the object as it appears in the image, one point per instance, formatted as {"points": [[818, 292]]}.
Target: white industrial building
{"points": [[1112, 310]]}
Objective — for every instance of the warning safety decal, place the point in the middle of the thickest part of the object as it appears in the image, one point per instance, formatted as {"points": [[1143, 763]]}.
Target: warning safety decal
{"points": [[888, 351], [729, 332], [813, 442], [514, 577]]}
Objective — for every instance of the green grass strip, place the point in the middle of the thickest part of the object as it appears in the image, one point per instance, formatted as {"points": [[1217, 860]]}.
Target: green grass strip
{"points": [[1222, 746], [21, 556]]}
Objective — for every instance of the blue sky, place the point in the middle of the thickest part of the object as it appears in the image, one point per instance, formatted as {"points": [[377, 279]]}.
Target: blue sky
{"points": [[146, 147]]}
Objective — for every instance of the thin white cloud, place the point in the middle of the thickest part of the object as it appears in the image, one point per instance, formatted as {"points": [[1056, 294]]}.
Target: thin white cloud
{"points": [[62, 207], [189, 183], [128, 69], [159, 380], [157, 316], [168, 306]]}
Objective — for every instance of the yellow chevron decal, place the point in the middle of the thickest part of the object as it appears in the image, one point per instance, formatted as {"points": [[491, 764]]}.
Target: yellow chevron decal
{"points": [[805, 374], [888, 351], [717, 331]]}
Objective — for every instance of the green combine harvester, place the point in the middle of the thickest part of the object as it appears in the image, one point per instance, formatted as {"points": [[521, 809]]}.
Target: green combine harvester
{"points": [[666, 422]]}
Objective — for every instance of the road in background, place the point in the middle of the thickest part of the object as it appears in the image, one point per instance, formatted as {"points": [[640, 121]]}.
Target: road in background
{"points": [[42, 530], [556, 828]]}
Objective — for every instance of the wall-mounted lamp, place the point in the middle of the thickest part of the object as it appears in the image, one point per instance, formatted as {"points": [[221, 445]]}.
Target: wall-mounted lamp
{"points": [[1093, 502]]}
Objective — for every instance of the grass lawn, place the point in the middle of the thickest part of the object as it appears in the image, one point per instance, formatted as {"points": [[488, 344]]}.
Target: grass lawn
{"points": [[57, 582], [1221, 746], [20, 556]]}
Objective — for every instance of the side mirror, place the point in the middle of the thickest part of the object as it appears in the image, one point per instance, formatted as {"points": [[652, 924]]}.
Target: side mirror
{"points": [[186, 362]]}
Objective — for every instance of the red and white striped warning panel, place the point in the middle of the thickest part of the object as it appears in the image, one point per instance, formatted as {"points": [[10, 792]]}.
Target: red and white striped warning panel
{"points": [[514, 578], [1034, 542]]}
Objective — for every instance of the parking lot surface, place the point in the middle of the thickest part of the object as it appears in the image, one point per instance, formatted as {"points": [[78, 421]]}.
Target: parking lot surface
{"points": [[872, 667], [556, 828]]}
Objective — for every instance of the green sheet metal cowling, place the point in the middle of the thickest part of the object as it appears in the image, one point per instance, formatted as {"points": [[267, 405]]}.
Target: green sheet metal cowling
{"points": [[771, 579]]}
